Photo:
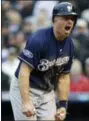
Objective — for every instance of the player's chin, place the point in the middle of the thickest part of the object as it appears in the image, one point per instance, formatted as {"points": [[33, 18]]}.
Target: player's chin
{"points": [[67, 33]]}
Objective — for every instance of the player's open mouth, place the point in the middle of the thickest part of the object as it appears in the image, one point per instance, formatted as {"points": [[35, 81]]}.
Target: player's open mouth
{"points": [[67, 28]]}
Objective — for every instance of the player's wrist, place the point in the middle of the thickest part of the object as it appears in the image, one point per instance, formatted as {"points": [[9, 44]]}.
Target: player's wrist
{"points": [[63, 103], [62, 110]]}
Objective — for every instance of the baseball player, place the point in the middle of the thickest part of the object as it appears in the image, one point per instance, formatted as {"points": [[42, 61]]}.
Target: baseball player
{"points": [[44, 69]]}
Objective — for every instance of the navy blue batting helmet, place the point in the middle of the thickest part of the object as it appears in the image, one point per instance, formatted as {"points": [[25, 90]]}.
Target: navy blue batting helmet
{"points": [[64, 9]]}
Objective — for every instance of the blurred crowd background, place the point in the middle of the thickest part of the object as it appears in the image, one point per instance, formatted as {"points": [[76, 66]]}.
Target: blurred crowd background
{"points": [[20, 18]]}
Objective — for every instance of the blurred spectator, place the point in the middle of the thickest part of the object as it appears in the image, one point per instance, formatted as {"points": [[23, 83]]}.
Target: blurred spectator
{"points": [[4, 54], [85, 14], [29, 26], [42, 20], [81, 36], [20, 40], [44, 5], [12, 39], [43, 13], [17, 39], [87, 67], [5, 33], [5, 82], [82, 26], [25, 7], [79, 82], [15, 20], [6, 5], [9, 66]]}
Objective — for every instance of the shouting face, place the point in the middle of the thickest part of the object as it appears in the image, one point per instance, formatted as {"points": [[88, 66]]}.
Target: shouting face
{"points": [[63, 26]]}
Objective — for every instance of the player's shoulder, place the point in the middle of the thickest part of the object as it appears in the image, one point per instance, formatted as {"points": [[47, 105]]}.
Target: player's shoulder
{"points": [[41, 33], [38, 38]]}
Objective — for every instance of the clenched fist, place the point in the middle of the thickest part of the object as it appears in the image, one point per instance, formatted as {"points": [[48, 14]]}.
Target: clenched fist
{"points": [[28, 109], [61, 114]]}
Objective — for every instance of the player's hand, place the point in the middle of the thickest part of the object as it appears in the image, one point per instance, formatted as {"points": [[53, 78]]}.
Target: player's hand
{"points": [[61, 114], [28, 109]]}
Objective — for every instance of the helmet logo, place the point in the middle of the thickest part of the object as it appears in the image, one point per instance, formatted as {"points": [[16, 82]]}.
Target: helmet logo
{"points": [[69, 8]]}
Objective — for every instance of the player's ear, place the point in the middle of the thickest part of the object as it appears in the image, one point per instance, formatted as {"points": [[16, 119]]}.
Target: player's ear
{"points": [[55, 19]]}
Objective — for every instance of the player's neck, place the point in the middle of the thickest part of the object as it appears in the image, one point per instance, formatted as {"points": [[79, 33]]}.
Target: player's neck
{"points": [[58, 36]]}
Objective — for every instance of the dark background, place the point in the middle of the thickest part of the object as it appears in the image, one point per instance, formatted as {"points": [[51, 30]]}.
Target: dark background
{"points": [[76, 111]]}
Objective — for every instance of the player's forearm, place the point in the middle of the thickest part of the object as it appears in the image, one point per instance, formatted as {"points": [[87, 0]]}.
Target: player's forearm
{"points": [[63, 87], [24, 82]]}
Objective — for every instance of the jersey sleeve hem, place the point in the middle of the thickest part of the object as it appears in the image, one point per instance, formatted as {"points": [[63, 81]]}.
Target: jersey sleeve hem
{"points": [[26, 62], [66, 71]]}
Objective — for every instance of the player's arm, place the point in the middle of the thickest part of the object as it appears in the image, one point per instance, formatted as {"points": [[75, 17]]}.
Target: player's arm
{"points": [[63, 87], [24, 74], [29, 57]]}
